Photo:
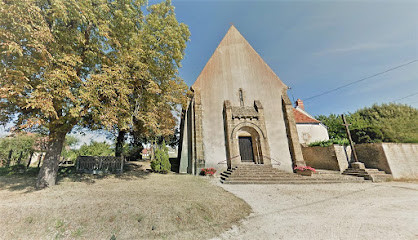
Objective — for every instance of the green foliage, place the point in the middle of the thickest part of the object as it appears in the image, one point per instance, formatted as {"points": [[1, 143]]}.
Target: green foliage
{"points": [[93, 63], [95, 149], [71, 141], [342, 141], [92, 149], [18, 143], [132, 151], [68, 152], [334, 125], [379, 123], [161, 163]]}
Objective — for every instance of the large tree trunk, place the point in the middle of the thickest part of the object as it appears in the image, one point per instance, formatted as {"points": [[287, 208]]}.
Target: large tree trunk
{"points": [[120, 140], [48, 173]]}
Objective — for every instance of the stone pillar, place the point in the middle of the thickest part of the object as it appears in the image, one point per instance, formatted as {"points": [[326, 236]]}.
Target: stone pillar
{"points": [[184, 154], [292, 134], [264, 144], [228, 125], [198, 137]]}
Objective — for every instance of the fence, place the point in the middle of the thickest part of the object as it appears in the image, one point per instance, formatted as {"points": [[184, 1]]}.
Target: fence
{"points": [[93, 164]]}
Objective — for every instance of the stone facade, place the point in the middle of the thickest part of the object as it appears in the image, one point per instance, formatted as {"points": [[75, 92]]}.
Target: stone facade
{"points": [[246, 122], [238, 98]]}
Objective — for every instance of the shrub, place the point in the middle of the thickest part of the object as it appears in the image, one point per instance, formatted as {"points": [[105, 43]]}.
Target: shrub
{"points": [[161, 163], [339, 141]]}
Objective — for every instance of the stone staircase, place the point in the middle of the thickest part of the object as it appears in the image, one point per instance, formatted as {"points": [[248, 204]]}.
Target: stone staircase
{"points": [[265, 174], [369, 174]]}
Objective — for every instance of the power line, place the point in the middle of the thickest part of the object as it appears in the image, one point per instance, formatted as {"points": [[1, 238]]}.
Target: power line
{"points": [[410, 95], [360, 80]]}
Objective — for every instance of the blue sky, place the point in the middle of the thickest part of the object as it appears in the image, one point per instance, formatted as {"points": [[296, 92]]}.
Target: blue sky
{"points": [[315, 46]]}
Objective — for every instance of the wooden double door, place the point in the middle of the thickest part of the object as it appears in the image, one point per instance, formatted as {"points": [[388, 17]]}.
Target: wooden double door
{"points": [[246, 149]]}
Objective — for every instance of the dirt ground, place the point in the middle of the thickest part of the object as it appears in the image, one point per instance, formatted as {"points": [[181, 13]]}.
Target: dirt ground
{"points": [[328, 211], [135, 205]]}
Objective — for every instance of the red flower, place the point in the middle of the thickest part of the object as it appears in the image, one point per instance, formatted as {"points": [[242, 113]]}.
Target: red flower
{"points": [[304, 168]]}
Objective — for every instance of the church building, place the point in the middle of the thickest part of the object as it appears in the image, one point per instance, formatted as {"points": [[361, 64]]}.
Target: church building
{"points": [[239, 114]]}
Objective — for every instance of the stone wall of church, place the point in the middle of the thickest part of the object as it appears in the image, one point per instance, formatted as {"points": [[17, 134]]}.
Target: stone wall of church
{"points": [[233, 66], [235, 69]]}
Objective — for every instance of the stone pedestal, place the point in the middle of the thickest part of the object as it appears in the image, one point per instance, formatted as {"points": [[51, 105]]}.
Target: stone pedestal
{"points": [[304, 173], [358, 165]]}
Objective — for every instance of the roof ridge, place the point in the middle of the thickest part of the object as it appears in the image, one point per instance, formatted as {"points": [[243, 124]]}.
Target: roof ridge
{"points": [[229, 36]]}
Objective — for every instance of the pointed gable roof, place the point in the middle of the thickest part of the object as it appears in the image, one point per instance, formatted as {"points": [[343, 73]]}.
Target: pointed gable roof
{"points": [[232, 39], [303, 117]]}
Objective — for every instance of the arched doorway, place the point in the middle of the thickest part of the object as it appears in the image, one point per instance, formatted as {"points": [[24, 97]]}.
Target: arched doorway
{"points": [[249, 145], [246, 139]]}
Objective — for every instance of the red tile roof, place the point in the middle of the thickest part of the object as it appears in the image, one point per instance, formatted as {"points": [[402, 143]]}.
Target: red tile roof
{"points": [[300, 117]]}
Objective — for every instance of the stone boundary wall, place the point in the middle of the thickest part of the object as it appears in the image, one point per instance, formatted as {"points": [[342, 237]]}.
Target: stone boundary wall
{"points": [[398, 159], [344, 156], [321, 157], [373, 156], [91, 164], [402, 159]]}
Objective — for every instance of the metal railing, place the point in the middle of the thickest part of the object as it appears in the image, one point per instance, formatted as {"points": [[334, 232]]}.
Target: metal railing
{"points": [[272, 159], [221, 162]]}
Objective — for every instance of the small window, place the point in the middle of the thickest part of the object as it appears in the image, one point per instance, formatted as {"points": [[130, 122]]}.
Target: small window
{"points": [[241, 98]]}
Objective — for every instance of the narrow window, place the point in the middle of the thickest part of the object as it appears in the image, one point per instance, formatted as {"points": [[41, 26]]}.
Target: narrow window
{"points": [[241, 98]]}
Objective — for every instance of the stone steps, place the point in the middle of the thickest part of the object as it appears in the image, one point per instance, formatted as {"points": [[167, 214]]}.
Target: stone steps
{"points": [[287, 182], [263, 174], [369, 174]]}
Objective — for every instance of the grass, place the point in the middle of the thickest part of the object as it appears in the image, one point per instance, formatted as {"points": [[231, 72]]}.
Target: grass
{"points": [[134, 205]]}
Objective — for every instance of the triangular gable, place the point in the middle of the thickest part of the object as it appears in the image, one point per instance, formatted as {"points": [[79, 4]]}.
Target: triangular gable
{"points": [[303, 117], [234, 37]]}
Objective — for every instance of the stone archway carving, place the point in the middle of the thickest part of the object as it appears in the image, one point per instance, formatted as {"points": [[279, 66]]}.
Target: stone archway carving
{"points": [[239, 120], [250, 125]]}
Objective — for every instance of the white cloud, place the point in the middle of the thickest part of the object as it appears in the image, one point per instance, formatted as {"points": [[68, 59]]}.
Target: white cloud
{"points": [[358, 47]]}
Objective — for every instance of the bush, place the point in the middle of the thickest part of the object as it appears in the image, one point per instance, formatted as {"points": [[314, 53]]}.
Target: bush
{"points": [[339, 141], [161, 163]]}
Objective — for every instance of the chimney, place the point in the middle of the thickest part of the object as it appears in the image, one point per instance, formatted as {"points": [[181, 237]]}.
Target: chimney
{"points": [[299, 103]]}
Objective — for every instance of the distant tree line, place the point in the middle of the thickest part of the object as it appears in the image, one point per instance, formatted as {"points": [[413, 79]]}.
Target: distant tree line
{"points": [[379, 123]]}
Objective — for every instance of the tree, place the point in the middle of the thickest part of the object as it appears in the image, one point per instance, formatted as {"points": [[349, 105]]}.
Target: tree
{"points": [[378, 123], [50, 48], [95, 149], [68, 152], [334, 124], [68, 63], [159, 91], [19, 145], [161, 162]]}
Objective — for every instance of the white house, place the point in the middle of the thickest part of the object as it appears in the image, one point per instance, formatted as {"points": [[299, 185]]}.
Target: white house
{"points": [[309, 129]]}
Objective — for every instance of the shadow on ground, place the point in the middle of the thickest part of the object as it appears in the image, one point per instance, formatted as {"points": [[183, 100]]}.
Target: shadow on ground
{"points": [[18, 183], [25, 181]]}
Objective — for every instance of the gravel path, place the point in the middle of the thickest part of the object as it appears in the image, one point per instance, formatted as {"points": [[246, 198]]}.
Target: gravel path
{"points": [[328, 211]]}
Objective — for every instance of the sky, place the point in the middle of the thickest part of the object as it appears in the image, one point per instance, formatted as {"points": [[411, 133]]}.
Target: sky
{"points": [[316, 46], [313, 46]]}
